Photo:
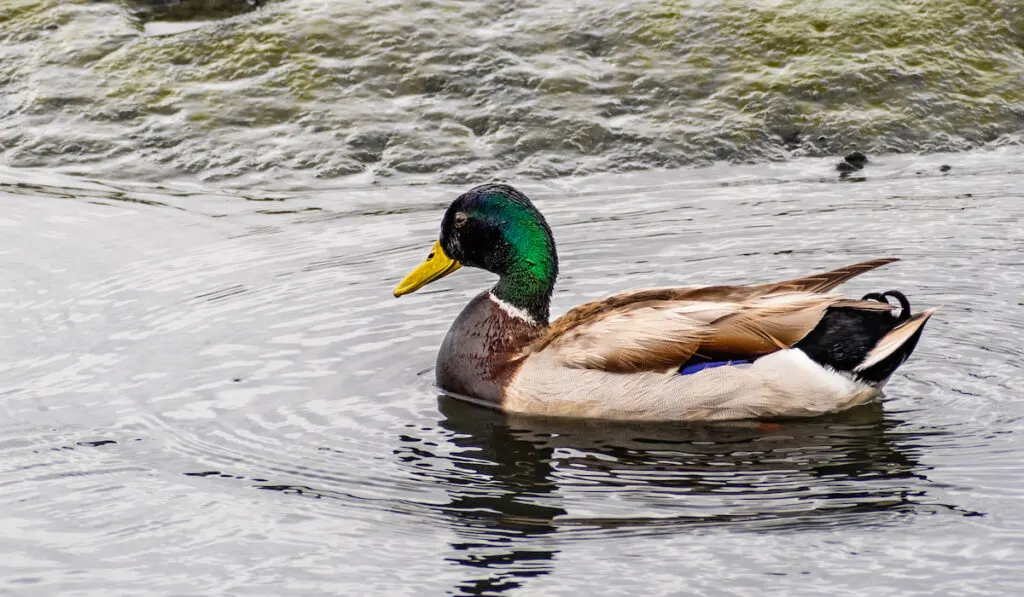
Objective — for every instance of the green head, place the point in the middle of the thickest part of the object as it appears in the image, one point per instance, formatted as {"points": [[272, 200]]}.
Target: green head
{"points": [[496, 228]]}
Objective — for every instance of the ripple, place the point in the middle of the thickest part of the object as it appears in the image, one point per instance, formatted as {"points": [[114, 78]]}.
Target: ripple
{"points": [[282, 94], [200, 391]]}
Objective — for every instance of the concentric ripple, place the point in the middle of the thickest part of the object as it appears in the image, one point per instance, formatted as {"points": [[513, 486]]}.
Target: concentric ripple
{"points": [[212, 393]]}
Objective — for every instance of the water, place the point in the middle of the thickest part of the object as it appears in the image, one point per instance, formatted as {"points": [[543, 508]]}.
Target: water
{"points": [[214, 393], [298, 91], [206, 387]]}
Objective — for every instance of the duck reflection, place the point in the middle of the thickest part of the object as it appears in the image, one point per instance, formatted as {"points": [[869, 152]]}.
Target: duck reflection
{"points": [[509, 496], [514, 483]]}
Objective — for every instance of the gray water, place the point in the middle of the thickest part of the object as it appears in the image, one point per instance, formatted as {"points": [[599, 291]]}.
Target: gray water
{"points": [[206, 387], [213, 393]]}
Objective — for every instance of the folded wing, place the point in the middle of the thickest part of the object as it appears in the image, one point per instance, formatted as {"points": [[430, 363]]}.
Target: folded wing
{"points": [[658, 329]]}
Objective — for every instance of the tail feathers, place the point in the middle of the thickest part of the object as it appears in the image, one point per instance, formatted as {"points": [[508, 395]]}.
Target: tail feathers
{"points": [[826, 281], [893, 349], [883, 297]]}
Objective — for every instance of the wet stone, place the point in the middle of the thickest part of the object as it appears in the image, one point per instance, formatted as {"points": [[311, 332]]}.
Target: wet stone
{"points": [[856, 159], [186, 10]]}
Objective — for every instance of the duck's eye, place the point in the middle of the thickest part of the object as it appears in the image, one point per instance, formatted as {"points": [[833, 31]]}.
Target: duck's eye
{"points": [[460, 219]]}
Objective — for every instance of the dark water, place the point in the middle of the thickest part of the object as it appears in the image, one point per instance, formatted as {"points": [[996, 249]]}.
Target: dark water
{"points": [[213, 393], [458, 91]]}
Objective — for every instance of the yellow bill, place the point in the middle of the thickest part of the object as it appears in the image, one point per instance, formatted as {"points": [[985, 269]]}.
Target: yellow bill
{"points": [[436, 266]]}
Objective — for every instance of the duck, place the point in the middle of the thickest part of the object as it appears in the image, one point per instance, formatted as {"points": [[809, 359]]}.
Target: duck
{"points": [[774, 350]]}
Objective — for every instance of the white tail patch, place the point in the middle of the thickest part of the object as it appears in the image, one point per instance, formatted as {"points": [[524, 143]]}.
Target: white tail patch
{"points": [[803, 374], [895, 339]]}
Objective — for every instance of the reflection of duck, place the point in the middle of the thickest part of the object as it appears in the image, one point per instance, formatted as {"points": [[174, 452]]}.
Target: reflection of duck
{"points": [[512, 481], [511, 500], [786, 349]]}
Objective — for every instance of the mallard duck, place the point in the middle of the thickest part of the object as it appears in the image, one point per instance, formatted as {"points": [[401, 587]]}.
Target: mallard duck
{"points": [[713, 353]]}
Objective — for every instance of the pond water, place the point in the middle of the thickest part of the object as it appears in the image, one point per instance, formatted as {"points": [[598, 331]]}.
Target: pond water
{"points": [[214, 393], [206, 387], [463, 90]]}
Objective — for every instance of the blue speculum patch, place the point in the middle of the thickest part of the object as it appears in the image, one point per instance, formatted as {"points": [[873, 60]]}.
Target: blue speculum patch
{"points": [[687, 370]]}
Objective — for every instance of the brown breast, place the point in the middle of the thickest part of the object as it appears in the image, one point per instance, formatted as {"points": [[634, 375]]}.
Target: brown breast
{"points": [[478, 354]]}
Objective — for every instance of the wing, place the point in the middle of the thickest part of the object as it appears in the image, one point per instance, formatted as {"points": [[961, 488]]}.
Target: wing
{"points": [[827, 281], [645, 338], [656, 329], [774, 322], [817, 283], [659, 336]]}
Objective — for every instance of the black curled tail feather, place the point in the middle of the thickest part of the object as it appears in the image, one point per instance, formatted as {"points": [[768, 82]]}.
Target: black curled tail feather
{"points": [[853, 340], [883, 297]]}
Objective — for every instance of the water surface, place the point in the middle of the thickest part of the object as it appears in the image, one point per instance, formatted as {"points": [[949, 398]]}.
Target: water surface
{"points": [[298, 91], [210, 392]]}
